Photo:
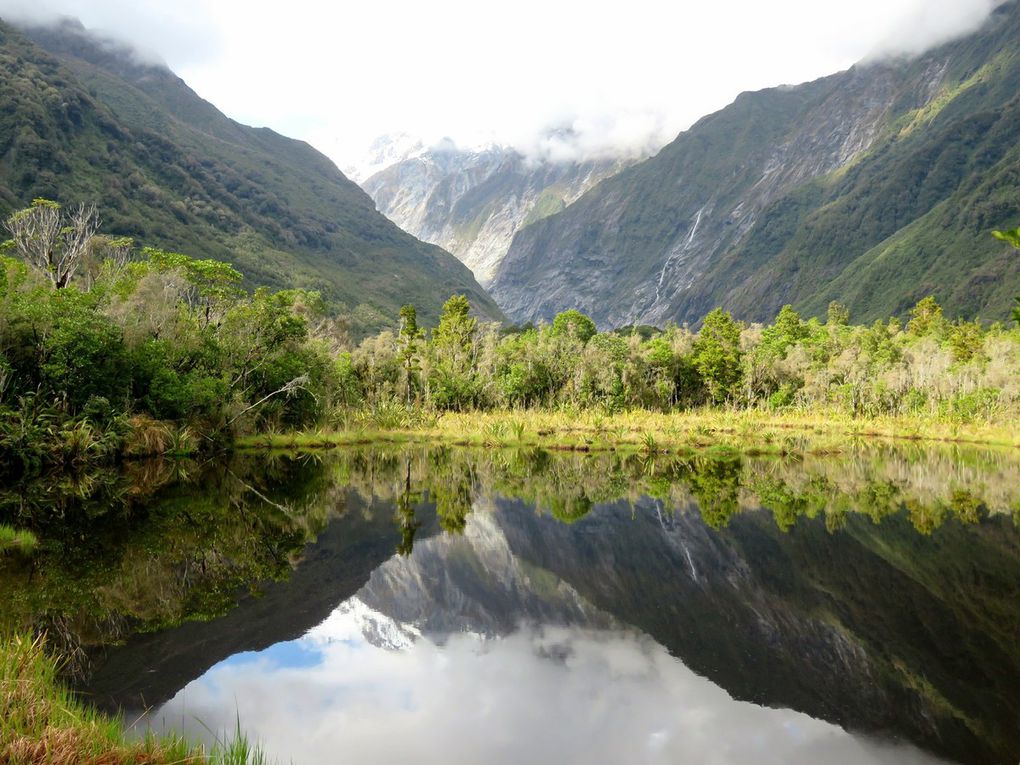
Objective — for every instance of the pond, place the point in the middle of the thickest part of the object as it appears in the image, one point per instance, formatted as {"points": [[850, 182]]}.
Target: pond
{"points": [[461, 606]]}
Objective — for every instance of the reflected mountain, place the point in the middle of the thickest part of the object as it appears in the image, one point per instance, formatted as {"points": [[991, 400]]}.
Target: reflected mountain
{"points": [[876, 590], [149, 668], [874, 628]]}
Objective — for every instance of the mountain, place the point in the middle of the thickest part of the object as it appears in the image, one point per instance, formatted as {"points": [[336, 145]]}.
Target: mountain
{"points": [[384, 151], [875, 187], [84, 119], [471, 203]]}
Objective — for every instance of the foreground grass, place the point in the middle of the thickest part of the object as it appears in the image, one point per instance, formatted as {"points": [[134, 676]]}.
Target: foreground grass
{"points": [[747, 431], [41, 722]]}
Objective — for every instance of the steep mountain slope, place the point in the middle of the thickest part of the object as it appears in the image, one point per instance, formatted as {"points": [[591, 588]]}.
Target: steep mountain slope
{"points": [[471, 203], [84, 120], [874, 186]]}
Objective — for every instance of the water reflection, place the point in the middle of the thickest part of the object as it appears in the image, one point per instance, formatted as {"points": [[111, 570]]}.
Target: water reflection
{"points": [[538, 695], [876, 590]]}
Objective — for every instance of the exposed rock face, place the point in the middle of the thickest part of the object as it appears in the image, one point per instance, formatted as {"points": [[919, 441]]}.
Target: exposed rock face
{"points": [[471, 203], [827, 190]]}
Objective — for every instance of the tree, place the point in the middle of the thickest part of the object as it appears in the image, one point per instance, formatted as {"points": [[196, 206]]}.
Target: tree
{"points": [[104, 250], [838, 315], [51, 240], [787, 330], [456, 330], [1011, 237], [209, 282], [408, 338], [716, 354], [926, 318], [452, 381], [573, 323]]}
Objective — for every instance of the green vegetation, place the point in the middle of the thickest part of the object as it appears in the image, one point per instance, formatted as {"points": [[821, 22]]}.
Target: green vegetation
{"points": [[105, 355], [85, 122], [932, 373], [1012, 238], [751, 432], [549, 202], [12, 540], [159, 355], [41, 722]]}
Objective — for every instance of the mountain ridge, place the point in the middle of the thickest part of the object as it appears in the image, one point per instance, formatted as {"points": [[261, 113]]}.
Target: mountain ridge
{"points": [[760, 204], [86, 121]]}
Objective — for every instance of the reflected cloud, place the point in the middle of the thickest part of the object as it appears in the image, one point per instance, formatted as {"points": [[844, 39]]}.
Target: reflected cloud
{"points": [[538, 695]]}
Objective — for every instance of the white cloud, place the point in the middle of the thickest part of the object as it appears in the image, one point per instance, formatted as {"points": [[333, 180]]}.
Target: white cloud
{"points": [[553, 695], [930, 24], [340, 74], [175, 32]]}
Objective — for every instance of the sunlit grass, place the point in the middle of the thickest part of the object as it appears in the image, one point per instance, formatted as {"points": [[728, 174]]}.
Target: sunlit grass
{"points": [[748, 431]]}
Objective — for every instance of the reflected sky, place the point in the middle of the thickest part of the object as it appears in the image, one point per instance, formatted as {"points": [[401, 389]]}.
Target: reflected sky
{"points": [[363, 688]]}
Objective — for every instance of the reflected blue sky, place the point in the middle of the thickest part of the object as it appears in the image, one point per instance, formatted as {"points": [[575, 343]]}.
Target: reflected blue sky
{"points": [[540, 694]]}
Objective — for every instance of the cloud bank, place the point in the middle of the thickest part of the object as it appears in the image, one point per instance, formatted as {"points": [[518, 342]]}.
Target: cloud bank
{"points": [[157, 33], [556, 80], [931, 24]]}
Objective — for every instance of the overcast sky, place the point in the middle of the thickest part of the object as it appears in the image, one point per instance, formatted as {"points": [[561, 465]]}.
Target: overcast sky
{"points": [[618, 73]]}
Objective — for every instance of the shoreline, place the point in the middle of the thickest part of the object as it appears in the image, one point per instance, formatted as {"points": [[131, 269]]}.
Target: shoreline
{"points": [[751, 432]]}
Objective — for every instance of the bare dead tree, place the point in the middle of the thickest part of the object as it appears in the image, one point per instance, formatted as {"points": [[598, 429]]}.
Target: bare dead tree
{"points": [[289, 390], [52, 241]]}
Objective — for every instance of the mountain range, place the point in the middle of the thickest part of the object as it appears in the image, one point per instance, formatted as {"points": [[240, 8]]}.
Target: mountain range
{"points": [[874, 187], [83, 119], [472, 202]]}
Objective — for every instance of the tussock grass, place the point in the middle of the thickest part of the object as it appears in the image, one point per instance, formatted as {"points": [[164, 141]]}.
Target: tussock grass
{"points": [[13, 540], [42, 723], [746, 431]]}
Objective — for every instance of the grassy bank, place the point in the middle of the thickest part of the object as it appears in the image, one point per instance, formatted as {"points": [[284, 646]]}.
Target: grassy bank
{"points": [[41, 722], [748, 431]]}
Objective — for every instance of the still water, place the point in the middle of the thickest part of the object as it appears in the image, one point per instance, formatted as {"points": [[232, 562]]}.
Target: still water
{"points": [[463, 607]]}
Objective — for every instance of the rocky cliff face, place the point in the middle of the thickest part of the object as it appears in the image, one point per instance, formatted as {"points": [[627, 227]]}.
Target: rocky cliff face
{"points": [[471, 203], [850, 187]]}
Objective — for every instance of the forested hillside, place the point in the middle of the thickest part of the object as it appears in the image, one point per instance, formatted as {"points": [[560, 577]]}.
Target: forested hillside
{"points": [[83, 120]]}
